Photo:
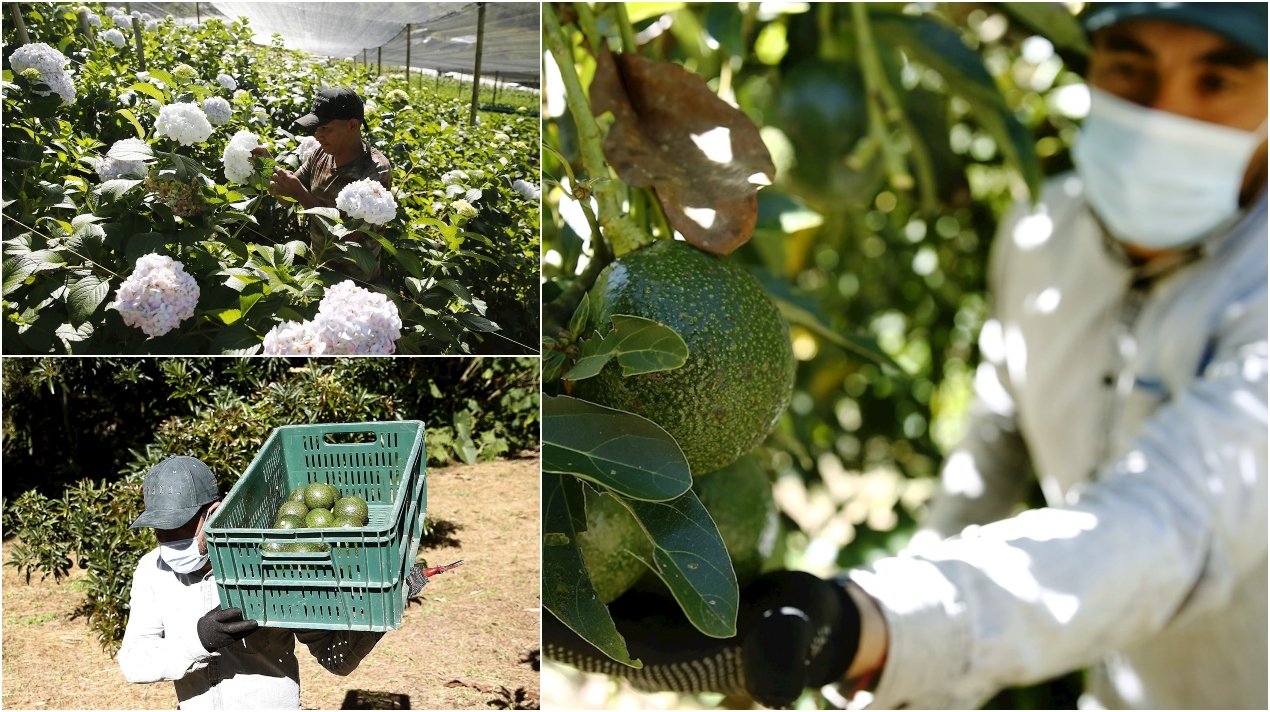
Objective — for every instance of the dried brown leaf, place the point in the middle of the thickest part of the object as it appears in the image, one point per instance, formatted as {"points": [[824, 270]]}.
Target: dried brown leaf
{"points": [[704, 157]]}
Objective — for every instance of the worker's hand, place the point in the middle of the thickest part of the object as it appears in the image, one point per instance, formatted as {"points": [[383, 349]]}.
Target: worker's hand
{"points": [[416, 580], [218, 628], [794, 631], [260, 152], [284, 183]]}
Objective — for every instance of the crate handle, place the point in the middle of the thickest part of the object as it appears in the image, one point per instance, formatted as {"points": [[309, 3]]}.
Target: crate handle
{"points": [[355, 437]]}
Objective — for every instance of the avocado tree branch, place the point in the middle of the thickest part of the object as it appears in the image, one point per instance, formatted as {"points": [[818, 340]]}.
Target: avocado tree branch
{"points": [[619, 230], [874, 78], [624, 24]]}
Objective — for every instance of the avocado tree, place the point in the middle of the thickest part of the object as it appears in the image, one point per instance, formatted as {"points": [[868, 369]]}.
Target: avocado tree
{"points": [[840, 165]]}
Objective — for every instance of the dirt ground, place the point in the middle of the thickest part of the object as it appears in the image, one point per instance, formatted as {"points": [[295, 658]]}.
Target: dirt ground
{"points": [[471, 625]]}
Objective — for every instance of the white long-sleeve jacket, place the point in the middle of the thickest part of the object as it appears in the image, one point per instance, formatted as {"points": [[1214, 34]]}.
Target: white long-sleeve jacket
{"points": [[1138, 398], [258, 672]]}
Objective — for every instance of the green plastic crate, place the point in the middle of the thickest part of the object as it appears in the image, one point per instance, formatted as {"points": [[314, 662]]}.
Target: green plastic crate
{"points": [[359, 583]]}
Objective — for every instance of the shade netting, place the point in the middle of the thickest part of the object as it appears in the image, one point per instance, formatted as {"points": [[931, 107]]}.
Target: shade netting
{"points": [[441, 37]]}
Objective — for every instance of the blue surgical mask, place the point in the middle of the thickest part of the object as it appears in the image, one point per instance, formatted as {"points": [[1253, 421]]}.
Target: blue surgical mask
{"points": [[1160, 180], [183, 556]]}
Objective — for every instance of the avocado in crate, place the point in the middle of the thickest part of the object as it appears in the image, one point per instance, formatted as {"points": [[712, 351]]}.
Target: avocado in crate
{"points": [[320, 532]]}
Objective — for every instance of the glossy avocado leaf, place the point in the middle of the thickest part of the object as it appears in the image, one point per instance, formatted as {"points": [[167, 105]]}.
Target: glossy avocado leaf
{"points": [[640, 345], [566, 587], [690, 556], [704, 157], [940, 47], [1052, 21], [622, 451]]}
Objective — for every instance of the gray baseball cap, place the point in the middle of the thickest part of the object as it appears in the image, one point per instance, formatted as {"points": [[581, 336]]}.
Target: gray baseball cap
{"points": [[1243, 23], [175, 489]]}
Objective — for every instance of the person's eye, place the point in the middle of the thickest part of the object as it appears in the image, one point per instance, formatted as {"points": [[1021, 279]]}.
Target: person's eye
{"points": [[1215, 83]]}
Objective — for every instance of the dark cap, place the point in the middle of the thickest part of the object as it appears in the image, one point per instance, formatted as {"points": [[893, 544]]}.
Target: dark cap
{"points": [[175, 490], [1243, 23], [332, 104]]}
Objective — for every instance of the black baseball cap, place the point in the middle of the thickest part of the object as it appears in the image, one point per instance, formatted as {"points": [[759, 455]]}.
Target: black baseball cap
{"points": [[332, 104], [1243, 23]]}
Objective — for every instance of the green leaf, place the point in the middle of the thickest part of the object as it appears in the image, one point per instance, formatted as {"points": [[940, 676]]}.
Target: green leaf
{"points": [[362, 257], [640, 345], [236, 340], [691, 558], [164, 77], [567, 590], [149, 90], [644, 346], [1052, 21], [940, 47], [84, 296], [113, 190], [622, 451], [132, 119], [130, 152], [859, 344], [143, 244], [581, 317], [476, 322]]}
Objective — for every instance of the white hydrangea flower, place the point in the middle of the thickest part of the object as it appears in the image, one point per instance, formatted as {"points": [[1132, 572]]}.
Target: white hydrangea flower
{"points": [[152, 24], [121, 20], [184, 123], [136, 14], [500, 136], [293, 338], [94, 20], [527, 189], [356, 321], [307, 146], [237, 156], [111, 168], [464, 208], [51, 65], [157, 296], [146, 17], [226, 82], [369, 200], [114, 37], [473, 195], [218, 110], [455, 176], [370, 105]]}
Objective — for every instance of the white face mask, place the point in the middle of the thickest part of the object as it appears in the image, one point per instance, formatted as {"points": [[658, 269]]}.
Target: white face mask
{"points": [[1157, 179], [183, 555]]}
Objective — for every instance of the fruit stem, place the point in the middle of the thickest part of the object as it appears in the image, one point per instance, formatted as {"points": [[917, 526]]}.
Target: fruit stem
{"points": [[621, 233], [876, 88], [624, 24], [586, 22]]}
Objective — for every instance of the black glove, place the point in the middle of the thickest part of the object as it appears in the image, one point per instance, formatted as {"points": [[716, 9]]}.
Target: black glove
{"points": [[794, 631], [218, 628]]}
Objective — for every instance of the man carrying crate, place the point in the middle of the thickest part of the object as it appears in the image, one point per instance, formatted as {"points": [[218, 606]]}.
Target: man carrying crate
{"points": [[176, 628]]}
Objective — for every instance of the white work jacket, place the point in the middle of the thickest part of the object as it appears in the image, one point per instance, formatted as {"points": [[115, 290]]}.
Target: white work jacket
{"points": [[258, 672], [1137, 396]]}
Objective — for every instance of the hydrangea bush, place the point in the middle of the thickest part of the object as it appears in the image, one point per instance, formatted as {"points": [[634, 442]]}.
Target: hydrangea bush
{"points": [[121, 167]]}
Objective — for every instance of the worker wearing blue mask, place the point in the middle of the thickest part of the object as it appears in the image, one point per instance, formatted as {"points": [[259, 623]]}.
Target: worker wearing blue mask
{"points": [[1125, 367]]}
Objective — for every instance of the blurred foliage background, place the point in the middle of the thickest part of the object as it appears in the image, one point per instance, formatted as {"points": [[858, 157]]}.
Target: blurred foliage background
{"points": [[889, 254], [80, 434]]}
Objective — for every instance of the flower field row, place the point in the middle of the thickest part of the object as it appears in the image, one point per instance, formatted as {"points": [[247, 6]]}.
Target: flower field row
{"points": [[137, 221]]}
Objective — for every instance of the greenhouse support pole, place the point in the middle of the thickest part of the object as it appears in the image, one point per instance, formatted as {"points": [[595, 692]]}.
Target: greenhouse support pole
{"points": [[198, 17], [495, 100], [379, 62], [84, 28], [365, 61], [476, 73], [18, 26], [141, 54], [407, 56]]}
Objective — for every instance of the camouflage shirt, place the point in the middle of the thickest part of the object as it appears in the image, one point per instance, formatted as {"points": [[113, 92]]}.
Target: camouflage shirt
{"points": [[324, 181]]}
